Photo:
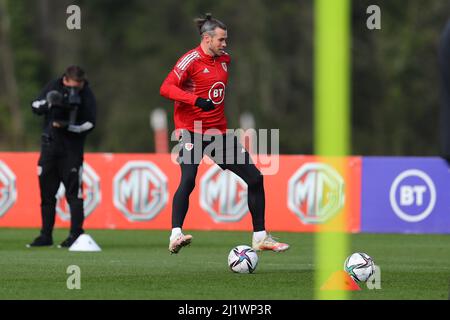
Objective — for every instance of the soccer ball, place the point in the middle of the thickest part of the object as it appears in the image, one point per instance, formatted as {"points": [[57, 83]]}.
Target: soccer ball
{"points": [[359, 266], [242, 259]]}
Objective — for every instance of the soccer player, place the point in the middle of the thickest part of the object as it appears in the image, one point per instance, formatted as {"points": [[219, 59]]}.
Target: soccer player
{"points": [[197, 85]]}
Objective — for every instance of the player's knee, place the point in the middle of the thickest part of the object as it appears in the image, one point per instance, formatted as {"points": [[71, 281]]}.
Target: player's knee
{"points": [[73, 199], [188, 182], [48, 200], [256, 181]]}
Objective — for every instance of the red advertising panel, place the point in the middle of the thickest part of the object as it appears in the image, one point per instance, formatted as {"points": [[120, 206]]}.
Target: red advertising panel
{"points": [[135, 191]]}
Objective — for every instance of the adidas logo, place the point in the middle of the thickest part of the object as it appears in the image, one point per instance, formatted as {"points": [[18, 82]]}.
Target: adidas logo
{"points": [[206, 70]]}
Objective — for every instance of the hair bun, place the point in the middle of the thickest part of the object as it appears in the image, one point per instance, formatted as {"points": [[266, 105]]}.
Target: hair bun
{"points": [[208, 16]]}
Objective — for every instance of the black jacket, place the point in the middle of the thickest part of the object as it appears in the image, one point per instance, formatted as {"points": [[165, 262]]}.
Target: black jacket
{"points": [[85, 117]]}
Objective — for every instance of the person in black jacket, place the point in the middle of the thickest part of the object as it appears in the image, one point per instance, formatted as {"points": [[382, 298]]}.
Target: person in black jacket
{"points": [[69, 109], [444, 62]]}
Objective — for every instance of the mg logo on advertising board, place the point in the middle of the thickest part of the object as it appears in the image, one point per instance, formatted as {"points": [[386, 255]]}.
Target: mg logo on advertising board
{"points": [[412, 195], [91, 194], [315, 193], [223, 195], [140, 190], [8, 191]]}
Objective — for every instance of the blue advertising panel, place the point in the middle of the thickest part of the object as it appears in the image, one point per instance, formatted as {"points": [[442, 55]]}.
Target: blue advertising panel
{"points": [[405, 194]]}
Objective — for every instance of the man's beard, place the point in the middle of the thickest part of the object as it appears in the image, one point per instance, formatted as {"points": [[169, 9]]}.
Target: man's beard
{"points": [[217, 52]]}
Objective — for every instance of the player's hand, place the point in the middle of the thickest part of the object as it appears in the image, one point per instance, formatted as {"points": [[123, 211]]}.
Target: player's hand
{"points": [[205, 104]]}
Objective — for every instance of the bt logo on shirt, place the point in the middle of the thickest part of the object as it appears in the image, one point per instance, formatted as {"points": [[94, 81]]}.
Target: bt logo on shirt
{"points": [[217, 92]]}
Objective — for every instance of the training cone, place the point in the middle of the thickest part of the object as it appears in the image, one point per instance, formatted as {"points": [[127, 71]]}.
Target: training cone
{"points": [[340, 280], [85, 243]]}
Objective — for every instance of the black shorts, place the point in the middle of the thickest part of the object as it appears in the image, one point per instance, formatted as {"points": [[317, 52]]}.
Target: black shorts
{"points": [[223, 149]]}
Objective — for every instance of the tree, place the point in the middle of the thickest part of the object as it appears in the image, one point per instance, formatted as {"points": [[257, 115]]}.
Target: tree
{"points": [[15, 132]]}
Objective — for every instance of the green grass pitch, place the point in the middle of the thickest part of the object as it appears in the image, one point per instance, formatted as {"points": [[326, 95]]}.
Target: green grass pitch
{"points": [[137, 265]]}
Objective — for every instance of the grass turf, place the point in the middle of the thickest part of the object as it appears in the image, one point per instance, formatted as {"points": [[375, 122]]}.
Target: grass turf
{"points": [[137, 265]]}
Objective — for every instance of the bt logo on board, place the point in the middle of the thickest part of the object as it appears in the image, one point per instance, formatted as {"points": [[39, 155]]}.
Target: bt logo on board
{"points": [[413, 195]]}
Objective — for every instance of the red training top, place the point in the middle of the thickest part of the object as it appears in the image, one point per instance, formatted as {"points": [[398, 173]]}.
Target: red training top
{"points": [[197, 74]]}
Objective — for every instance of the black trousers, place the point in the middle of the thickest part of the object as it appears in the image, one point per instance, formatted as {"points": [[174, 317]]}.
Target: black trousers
{"points": [[229, 154], [60, 162]]}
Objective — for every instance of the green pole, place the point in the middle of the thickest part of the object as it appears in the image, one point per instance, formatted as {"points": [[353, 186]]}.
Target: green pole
{"points": [[331, 124]]}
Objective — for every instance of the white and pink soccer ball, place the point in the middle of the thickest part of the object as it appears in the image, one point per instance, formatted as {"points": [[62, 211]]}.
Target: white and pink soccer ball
{"points": [[242, 259]]}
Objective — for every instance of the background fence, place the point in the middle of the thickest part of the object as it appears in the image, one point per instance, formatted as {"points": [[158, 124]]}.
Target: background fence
{"points": [[134, 191]]}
